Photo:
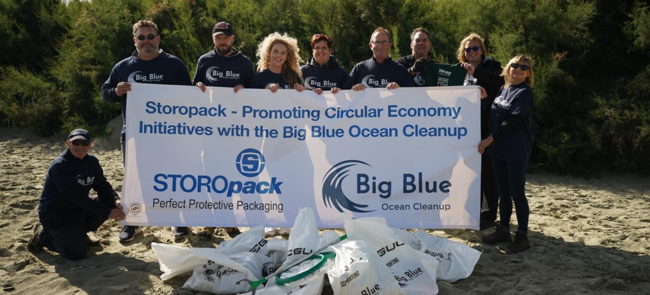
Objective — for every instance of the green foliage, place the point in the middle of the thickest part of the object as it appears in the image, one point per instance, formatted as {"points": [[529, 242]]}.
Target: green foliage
{"points": [[591, 103]]}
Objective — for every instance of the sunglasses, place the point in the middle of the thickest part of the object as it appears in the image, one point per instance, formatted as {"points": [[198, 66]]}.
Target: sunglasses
{"points": [[150, 37], [523, 67], [475, 48], [79, 142]]}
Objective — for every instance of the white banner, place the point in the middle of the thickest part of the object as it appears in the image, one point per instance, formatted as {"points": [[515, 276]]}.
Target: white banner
{"points": [[256, 157]]}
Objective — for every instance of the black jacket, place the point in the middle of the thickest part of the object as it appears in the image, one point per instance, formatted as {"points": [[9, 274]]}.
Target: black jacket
{"points": [[488, 76], [65, 200]]}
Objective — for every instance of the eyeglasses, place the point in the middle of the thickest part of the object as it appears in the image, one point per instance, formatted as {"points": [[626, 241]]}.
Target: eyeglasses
{"points": [[385, 42], [79, 142], [324, 48], [475, 48], [523, 67], [150, 37]]}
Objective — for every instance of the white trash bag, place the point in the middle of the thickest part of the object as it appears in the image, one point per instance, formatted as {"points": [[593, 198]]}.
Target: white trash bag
{"points": [[304, 240], [456, 260], [359, 270], [414, 271], [217, 270]]}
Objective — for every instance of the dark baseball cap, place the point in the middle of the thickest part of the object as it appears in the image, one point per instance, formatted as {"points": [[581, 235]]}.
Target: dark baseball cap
{"points": [[79, 134], [222, 28]]}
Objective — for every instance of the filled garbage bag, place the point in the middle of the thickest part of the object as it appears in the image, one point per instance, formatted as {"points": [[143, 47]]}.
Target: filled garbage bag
{"points": [[358, 269], [456, 260], [414, 271]]}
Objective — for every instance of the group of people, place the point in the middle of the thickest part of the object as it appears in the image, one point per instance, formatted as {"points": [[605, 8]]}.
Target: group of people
{"points": [[67, 213]]}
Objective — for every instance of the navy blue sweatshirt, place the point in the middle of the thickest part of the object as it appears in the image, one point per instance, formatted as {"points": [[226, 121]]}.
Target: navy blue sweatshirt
{"points": [[510, 124], [64, 199], [375, 75], [224, 71], [408, 62], [164, 69], [325, 77], [266, 77]]}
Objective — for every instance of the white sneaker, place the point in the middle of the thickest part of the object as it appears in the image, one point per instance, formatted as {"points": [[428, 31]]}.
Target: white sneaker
{"points": [[270, 232], [285, 231]]}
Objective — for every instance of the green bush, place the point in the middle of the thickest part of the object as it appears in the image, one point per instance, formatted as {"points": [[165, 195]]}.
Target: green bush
{"points": [[592, 61]]}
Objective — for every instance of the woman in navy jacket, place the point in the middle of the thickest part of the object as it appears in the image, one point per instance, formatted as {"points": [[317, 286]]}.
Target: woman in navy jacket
{"points": [[484, 71], [510, 144]]}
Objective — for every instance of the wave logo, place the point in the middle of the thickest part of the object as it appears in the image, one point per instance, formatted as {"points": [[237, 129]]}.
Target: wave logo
{"points": [[333, 195], [418, 79], [311, 83], [371, 81], [135, 77], [250, 162], [212, 74]]}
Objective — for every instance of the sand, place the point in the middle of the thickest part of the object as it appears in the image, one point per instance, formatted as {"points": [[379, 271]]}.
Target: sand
{"points": [[588, 236]]}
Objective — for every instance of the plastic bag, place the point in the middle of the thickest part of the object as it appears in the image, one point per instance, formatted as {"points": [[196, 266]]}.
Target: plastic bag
{"points": [[304, 238], [218, 270], [359, 270], [176, 260], [414, 271], [456, 260]]}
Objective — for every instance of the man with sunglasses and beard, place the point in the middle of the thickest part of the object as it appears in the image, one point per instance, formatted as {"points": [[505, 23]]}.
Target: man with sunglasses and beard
{"points": [[66, 212], [223, 67], [147, 64]]}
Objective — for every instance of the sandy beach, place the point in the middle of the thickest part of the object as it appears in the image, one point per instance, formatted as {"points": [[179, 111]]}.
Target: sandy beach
{"points": [[588, 236]]}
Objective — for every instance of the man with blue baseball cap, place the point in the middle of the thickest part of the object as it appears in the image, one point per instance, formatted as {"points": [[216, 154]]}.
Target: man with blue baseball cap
{"points": [[66, 211]]}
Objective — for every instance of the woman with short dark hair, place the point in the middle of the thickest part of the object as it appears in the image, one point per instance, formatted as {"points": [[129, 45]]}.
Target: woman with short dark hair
{"points": [[322, 71]]}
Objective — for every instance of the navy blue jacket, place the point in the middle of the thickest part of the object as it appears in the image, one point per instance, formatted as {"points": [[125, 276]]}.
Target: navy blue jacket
{"points": [[266, 77], [164, 69], [408, 62], [64, 199], [325, 77], [375, 75], [511, 124], [224, 71]]}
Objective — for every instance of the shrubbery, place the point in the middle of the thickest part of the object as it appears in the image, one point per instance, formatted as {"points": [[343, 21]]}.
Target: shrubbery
{"points": [[591, 58]]}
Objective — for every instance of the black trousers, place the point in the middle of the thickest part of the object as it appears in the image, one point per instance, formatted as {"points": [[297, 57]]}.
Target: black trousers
{"points": [[70, 240], [489, 189]]}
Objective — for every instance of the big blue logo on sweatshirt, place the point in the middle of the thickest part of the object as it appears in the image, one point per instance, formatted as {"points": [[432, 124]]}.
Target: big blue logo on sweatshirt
{"points": [[311, 83], [249, 163], [372, 82], [213, 74], [139, 77]]}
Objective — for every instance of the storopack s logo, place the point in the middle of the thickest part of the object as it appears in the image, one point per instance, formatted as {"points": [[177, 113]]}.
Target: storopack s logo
{"points": [[333, 195], [250, 162]]}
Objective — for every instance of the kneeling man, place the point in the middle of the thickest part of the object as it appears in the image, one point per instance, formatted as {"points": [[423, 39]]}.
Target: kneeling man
{"points": [[66, 212]]}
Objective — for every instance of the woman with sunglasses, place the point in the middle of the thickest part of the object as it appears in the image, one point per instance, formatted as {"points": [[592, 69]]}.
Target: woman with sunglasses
{"points": [[484, 71], [511, 142], [278, 64], [323, 72]]}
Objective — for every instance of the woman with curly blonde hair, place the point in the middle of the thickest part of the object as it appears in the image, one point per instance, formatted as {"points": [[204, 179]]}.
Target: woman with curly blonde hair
{"points": [[278, 64]]}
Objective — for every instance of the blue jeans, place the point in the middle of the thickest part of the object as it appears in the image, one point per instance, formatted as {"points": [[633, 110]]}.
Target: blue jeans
{"points": [[511, 180]]}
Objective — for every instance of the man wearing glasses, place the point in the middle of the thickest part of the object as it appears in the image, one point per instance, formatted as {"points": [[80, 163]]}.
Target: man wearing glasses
{"points": [[416, 63], [65, 211], [223, 67], [147, 64], [380, 71]]}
